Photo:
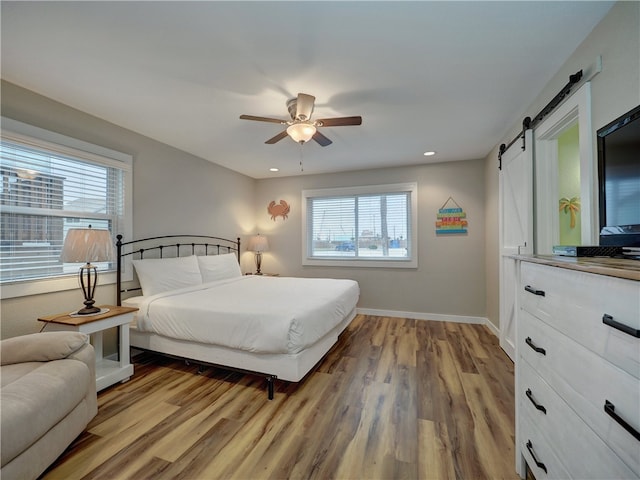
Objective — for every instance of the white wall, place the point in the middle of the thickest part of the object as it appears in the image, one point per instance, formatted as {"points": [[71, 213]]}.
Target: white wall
{"points": [[174, 192], [614, 91], [450, 277]]}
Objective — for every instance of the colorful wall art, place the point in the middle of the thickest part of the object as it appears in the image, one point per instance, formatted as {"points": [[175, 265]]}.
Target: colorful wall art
{"points": [[451, 219]]}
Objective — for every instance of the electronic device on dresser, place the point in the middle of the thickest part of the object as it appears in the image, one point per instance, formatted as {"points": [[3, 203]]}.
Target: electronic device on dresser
{"points": [[587, 250], [619, 181]]}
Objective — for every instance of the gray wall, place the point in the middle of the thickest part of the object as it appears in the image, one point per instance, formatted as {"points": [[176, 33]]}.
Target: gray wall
{"points": [[614, 91], [174, 192], [449, 279]]}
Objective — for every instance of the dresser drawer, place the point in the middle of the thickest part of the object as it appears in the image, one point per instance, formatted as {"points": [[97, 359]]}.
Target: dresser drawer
{"points": [[575, 303], [584, 381], [574, 442], [539, 453]]}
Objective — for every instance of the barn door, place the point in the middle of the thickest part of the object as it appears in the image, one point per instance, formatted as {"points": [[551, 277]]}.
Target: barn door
{"points": [[516, 230]]}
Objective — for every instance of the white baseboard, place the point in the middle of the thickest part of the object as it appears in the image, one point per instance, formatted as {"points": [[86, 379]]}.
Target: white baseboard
{"points": [[495, 330], [431, 316]]}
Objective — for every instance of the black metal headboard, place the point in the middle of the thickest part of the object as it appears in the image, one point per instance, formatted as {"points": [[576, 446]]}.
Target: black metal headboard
{"points": [[203, 244]]}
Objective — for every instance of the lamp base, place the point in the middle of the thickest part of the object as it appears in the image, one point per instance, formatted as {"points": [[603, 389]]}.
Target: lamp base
{"points": [[258, 263], [88, 276], [88, 311]]}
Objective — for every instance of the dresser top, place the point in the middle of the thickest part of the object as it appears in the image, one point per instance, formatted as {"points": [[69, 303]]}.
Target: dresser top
{"points": [[613, 267]]}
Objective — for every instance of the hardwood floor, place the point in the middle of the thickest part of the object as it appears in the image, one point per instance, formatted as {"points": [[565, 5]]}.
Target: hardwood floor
{"points": [[395, 398]]}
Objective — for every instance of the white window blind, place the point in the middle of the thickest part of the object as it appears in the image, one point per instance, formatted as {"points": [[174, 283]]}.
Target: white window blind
{"points": [[46, 189], [366, 225]]}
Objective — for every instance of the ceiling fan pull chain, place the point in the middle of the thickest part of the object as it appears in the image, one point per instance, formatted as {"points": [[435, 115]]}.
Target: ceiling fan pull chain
{"points": [[301, 157]]}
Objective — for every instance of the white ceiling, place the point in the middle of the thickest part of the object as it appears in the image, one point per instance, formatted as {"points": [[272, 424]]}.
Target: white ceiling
{"points": [[446, 76]]}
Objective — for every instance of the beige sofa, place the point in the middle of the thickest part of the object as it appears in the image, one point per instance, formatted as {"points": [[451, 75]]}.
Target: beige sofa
{"points": [[47, 398]]}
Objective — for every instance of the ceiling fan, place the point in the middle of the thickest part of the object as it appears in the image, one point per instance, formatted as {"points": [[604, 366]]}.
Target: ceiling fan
{"points": [[301, 128]]}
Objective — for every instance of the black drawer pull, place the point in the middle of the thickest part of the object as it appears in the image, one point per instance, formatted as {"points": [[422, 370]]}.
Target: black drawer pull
{"points": [[529, 342], [535, 404], [610, 408], [530, 289], [608, 320], [539, 464]]}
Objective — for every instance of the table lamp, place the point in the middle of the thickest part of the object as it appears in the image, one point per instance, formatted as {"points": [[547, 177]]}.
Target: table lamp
{"points": [[258, 244], [87, 245]]}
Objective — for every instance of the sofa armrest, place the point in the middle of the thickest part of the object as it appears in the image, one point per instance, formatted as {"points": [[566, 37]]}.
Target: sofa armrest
{"points": [[87, 355], [41, 347]]}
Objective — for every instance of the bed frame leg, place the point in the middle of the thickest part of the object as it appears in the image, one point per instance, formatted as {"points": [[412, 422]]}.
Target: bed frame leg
{"points": [[270, 382]]}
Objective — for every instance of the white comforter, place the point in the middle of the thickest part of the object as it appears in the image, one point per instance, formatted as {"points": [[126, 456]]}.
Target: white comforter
{"points": [[252, 313]]}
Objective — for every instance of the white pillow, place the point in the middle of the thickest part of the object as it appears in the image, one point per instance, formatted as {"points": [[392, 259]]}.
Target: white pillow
{"points": [[157, 275], [219, 267]]}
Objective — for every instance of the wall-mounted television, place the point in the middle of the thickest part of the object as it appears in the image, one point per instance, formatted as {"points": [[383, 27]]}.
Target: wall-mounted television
{"points": [[619, 181]]}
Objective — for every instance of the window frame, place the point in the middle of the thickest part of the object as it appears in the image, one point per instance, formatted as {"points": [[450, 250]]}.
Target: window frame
{"points": [[36, 137], [410, 262]]}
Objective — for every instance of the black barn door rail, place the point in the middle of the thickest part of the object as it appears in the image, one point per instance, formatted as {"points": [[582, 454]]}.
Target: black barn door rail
{"points": [[528, 123]]}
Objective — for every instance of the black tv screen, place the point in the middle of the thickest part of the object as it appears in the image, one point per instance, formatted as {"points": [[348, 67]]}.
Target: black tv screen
{"points": [[619, 180]]}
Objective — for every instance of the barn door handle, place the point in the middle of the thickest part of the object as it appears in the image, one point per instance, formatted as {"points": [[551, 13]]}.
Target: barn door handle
{"points": [[535, 291], [610, 408], [522, 246], [538, 463], [608, 320], [535, 404], [529, 342]]}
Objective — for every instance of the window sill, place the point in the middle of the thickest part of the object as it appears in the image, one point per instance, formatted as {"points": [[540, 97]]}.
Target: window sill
{"points": [[329, 262], [50, 285]]}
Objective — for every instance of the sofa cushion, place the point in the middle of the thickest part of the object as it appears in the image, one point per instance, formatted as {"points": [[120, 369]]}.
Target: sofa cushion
{"points": [[41, 347], [39, 399], [11, 373]]}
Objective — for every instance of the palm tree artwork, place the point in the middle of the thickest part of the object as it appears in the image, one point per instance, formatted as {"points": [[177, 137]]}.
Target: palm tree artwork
{"points": [[572, 207]]}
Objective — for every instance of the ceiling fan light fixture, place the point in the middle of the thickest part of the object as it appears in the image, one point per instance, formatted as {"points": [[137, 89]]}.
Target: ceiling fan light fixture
{"points": [[301, 128], [301, 132]]}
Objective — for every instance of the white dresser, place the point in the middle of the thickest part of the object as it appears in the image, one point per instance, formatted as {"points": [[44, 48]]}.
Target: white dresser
{"points": [[578, 368]]}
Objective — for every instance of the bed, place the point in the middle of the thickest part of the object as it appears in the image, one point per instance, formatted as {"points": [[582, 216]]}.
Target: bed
{"points": [[195, 303]]}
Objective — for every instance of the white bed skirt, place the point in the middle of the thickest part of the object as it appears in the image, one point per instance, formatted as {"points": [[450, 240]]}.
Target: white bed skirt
{"points": [[289, 367]]}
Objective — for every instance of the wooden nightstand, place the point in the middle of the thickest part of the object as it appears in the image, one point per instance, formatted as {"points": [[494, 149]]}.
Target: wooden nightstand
{"points": [[108, 371]]}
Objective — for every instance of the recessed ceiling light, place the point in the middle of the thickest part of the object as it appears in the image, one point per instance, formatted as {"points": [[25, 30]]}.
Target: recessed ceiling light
{"points": [[428, 154], [273, 169]]}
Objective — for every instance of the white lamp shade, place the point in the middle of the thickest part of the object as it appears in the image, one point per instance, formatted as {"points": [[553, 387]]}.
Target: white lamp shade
{"points": [[301, 132], [86, 245], [258, 243]]}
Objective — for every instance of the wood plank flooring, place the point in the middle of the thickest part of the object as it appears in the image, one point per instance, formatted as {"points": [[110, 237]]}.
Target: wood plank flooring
{"points": [[395, 398]]}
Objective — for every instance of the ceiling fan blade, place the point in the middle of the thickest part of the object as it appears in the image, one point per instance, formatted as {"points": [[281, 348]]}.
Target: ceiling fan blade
{"points": [[304, 106], [339, 121], [262, 119], [321, 139], [277, 138]]}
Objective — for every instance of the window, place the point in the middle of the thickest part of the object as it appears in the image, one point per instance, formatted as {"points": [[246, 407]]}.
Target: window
{"points": [[370, 226], [49, 184]]}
